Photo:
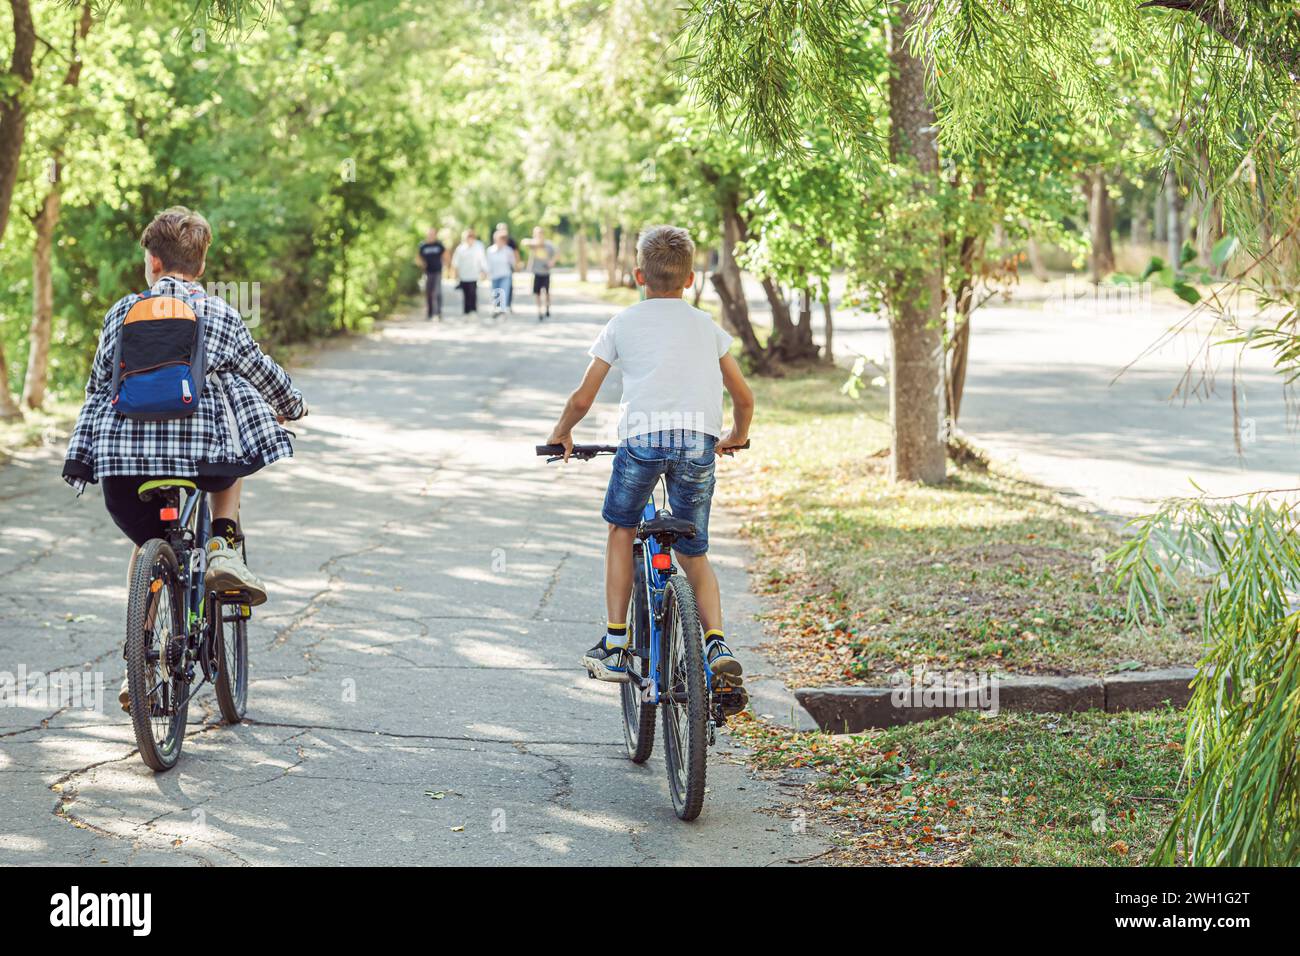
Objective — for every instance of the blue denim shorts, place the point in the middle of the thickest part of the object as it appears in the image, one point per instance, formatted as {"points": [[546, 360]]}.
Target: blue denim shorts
{"points": [[685, 459]]}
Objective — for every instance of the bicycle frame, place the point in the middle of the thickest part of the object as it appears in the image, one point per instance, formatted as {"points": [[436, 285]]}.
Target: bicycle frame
{"points": [[193, 544]]}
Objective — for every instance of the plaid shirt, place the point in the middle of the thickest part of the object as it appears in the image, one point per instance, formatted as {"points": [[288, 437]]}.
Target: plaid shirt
{"points": [[233, 431]]}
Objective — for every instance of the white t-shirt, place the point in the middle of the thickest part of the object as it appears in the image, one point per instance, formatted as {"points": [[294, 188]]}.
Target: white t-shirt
{"points": [[501, 261], [668, 352], [468, 261]]}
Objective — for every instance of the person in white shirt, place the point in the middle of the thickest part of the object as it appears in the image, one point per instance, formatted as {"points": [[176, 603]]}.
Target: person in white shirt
{"points": [[675, 362], [470, 264], [502, 260]]}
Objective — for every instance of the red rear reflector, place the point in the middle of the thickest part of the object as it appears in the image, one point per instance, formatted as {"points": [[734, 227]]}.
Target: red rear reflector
{"points": [[169, 514], [661, 561]]}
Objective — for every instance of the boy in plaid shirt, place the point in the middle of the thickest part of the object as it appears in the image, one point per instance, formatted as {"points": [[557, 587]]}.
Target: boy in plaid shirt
{"points": [[235, 431]]}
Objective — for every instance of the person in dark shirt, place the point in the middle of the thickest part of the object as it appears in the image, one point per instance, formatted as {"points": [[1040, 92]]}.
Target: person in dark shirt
{"points": [[432, 252]]}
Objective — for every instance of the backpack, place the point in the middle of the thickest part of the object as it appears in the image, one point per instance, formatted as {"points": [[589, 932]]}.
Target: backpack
{"points": [[158, 361]]}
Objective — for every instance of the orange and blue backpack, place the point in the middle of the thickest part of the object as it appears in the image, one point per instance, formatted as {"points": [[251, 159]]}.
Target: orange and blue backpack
{"points": [[158, 361]]}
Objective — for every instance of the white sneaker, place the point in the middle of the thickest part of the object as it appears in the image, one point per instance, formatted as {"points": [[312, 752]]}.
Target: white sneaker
{"points": [[227, 572]]}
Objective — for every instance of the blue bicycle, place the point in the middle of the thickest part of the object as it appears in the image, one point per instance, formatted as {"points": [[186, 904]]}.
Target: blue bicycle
{"points": [[666, 666]]}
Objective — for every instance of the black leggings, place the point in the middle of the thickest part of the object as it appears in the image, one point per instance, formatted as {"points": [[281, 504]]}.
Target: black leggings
{"points": [[469, 297], [138, 519]]}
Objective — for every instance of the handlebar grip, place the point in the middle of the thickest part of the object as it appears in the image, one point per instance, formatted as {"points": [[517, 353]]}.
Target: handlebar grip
{"points": [[550, 450]]}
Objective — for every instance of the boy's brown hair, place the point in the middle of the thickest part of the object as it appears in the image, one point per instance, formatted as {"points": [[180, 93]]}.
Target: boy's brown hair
{"points": [[666, 256], [180, 238]]}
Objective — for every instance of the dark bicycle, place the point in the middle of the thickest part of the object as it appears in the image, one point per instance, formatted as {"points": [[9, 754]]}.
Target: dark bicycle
{"points": [[666, 666], [177, 630]]}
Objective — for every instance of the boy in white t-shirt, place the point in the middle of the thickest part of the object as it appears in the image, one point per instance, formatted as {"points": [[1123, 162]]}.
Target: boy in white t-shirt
{"points": [[675, 363]]}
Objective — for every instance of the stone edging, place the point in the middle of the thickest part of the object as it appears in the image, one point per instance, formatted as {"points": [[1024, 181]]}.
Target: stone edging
{"points": [[853, 709]]}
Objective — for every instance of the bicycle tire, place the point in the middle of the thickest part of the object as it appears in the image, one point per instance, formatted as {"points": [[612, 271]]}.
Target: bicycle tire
{"points": [[153, 700], [685, 705], [231, 658], [638, 716], [231, 685]]}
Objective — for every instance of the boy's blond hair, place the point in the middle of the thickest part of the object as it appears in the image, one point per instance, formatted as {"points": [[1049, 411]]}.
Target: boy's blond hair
{"points": [[180, 238], [666, 257]]}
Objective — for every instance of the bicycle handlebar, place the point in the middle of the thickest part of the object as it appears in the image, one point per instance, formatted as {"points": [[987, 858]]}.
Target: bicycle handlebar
{"points": [[581, 452], [588, 452]]}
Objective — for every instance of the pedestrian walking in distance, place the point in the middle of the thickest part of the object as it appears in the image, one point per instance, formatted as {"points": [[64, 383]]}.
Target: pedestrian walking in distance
{"points": [[470, 265], [502, 263], [432, 254], [541, 259]]}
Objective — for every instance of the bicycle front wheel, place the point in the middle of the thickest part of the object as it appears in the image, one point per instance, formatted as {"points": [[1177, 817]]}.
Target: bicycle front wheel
{"points": [[230, 634], [231, 637], [155, 632], [685, 705], [638, 716]]}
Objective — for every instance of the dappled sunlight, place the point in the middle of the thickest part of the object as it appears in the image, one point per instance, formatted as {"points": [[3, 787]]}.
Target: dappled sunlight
{"points": [[498, 654], [433, 584], [594, 820]]}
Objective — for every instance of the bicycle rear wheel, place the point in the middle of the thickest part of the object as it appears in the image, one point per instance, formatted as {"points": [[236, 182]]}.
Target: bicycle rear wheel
{"points": [[154, 618], [685, 704], [638, 716]]}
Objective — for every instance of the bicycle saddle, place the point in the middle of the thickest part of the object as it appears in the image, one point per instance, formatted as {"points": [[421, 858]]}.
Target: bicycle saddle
{"points": [[147, 490], [664, 523]]}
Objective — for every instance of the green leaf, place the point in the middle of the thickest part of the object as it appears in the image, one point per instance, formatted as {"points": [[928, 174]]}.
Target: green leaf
{"points": [[1186, 292], [1155, 265], [1188, 254], [1223, 250]]}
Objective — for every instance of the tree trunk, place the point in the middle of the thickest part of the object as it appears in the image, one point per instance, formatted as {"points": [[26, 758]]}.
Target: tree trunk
{"points": [[1209, 219], [1173, 221], [803, 329], [782, 343], [1035, 256], [582, 255], [38, 353], [1099, 221], [609, 254], [13, 112], [699, 287], [627, 257], [959, 346], [727, 283], [1160, 217], [13, 129], [828, 350], [1140, 230], [46, 221], [916, 299]]}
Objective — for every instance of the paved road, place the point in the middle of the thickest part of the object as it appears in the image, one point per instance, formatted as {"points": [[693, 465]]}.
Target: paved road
{"points": [[1042, 394], [433, 585]]}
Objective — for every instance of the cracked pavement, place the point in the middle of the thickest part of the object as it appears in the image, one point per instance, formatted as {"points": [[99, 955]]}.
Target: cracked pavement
{"points": [[416, 691]]}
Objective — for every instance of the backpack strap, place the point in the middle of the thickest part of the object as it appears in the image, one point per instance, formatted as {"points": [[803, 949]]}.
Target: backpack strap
{"points": [[199, 355], [117, 347]]}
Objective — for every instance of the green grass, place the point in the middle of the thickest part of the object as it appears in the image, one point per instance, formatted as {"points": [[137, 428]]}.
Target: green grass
{"points": [[985, 572], [1090, 789]]}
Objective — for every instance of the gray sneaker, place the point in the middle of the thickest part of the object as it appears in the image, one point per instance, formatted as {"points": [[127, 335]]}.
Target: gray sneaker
{"points": [[227, 572]]}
